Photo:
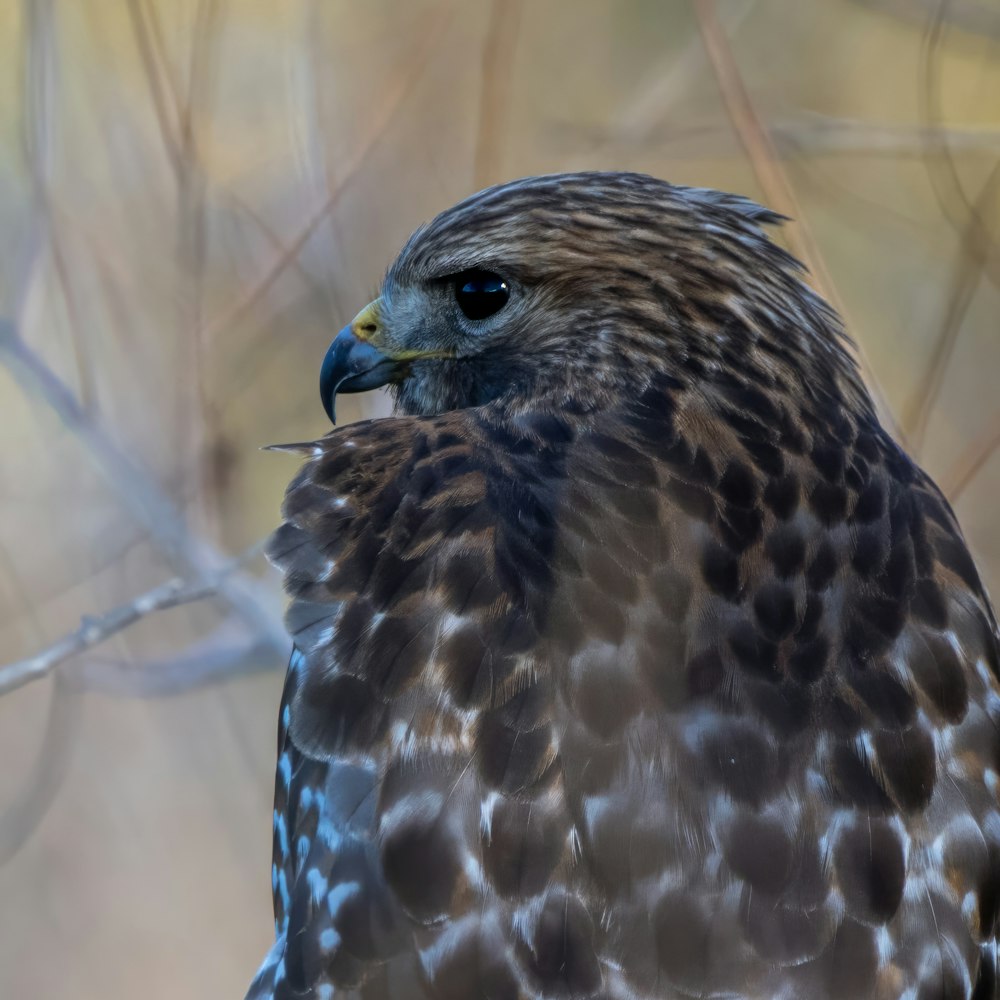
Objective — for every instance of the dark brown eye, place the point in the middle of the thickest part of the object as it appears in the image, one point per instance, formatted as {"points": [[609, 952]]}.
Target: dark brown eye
{"points": [[480, 293]]}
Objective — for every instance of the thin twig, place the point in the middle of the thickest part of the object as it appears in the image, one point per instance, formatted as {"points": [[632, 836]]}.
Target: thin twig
{"points": [[771, 176], [96, 629], [778, 193], [177, 118], [117, 269], [401, 87], [236, 310]]}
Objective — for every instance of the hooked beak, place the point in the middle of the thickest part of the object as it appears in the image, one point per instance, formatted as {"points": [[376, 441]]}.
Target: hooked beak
{"points": [[359, 359], [353, 363]]}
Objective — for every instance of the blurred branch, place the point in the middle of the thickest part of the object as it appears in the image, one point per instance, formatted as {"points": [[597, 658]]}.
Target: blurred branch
{"points": [[637, 123], [494, 96], [44, 777], [202, 65], [39, 129], [150, 40], [314, 143], [176, 118], [223, 654], [942, 171], [208, 660], [778, 192], [96, 629], [400, 87], [236, 310], [972, 256], [147, 53], [192, 238], [826, 134], [192, 556], [970, 462], [981, 17], [979, 253], [809, 133]]}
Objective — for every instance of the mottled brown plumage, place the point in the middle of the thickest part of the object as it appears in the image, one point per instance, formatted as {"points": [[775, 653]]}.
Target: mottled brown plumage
{"points": [[634, 659]]}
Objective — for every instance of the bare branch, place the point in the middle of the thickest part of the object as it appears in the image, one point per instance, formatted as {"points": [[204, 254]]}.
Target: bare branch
{"points": [[778, 192], [99, 628], [226, 652], [400, 88], [192, 557]]}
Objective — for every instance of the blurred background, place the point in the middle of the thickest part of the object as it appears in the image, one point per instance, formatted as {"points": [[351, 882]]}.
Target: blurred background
{"points": [[196, 194]]}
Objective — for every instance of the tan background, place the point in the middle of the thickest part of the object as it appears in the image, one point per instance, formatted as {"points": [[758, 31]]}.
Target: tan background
{"points": [[195, 195]]}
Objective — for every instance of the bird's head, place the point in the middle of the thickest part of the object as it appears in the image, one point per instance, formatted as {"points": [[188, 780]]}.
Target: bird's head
{"points": [[579, 287]]}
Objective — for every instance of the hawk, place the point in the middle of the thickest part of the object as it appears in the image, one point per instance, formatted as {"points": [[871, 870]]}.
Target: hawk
{"points": [[632, 658]]}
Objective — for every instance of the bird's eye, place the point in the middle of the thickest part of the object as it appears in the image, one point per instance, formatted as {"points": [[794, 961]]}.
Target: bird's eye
{"points": [[480, 293]]}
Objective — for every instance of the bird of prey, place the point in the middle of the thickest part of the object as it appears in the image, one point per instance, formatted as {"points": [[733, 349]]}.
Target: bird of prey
{"points": [[632, 657]]}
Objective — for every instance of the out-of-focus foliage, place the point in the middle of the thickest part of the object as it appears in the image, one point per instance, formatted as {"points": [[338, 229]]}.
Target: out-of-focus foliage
{"points": [[196, 194]]}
